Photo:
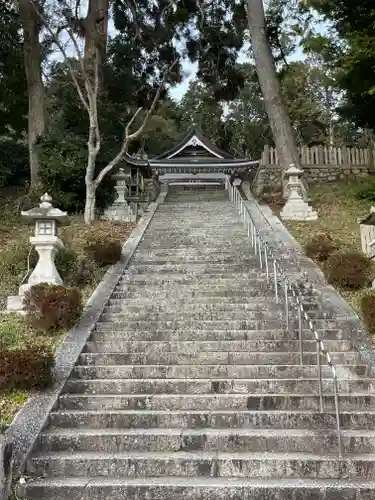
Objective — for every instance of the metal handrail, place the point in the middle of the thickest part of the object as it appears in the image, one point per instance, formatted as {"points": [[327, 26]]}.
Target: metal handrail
{"points": [[266, 256]]}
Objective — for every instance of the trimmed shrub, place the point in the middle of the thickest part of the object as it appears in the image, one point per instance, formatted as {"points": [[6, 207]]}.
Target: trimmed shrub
{"points": [[366, 192], [104, 253], [368, 311], [66, 263], [27, 367], [320, 247], [348, 270], [52, 307]]}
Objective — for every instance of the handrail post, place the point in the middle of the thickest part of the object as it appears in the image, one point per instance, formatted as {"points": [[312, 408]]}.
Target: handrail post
{"points": [[260, 253], [266, 263], [300, 332], [275, 280], [337, 411], [319, 366], [286, 297]]}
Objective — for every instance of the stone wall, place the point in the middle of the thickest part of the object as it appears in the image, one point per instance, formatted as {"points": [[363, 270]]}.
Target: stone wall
{"points": [[269, 176]]}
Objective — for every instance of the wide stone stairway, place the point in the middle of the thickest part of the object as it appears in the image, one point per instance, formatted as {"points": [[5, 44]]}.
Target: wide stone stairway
{"points": [[191, 388]]}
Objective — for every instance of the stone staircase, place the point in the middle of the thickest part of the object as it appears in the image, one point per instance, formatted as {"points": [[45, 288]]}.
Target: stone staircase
{"points": [[190, 386]]}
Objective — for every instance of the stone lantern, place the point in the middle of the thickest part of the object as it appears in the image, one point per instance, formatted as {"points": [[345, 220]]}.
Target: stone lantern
{"points": [[296, 208], [122, 179], [367, 232], [120, 209], [47, 243]]}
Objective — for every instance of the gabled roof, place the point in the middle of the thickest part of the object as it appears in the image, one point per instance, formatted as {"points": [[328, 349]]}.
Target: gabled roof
{"points": [[194, 153], [195, 138]]}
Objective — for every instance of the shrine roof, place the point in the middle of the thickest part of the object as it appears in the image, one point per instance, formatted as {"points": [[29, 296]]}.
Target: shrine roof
{"points": [[194, 150]]}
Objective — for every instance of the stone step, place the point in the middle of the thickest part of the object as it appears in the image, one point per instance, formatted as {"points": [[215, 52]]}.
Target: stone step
{"points": [[214, 402], [174, 441], [195, 282], [203, 303], [227, 227], [195, 276], [197, 464], [124, 419], [103, 366], [183, 246], [150, 306], [117, 314], [189, 324], [183, 292], [234, 267], [214, 488], [213, 335], [237, 348], [153, 254], [144, 387], [186, 288]]}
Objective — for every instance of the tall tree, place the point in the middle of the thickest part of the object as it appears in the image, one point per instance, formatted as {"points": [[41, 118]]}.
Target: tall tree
{"points": [[350, 48], [247, 121], [30, 18], [200, 107], [13, 86], [266, 69]]}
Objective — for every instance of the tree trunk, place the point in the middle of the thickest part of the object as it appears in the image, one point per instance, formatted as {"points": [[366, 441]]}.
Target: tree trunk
{"points": [[280, 124], [96, 34], [90, 204], [33, 68]]}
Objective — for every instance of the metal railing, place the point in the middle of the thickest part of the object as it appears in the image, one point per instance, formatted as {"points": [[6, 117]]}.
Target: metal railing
{"points": [[285, 288]]}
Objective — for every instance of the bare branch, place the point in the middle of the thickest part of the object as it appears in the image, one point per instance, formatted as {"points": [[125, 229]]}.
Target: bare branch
{"points": [[136, 134], [128, 138], [127, 129]]}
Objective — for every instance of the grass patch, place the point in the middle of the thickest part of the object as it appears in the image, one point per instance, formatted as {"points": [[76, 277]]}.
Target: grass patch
{"points": [[338, 209], [10, 403], [16, 258]]}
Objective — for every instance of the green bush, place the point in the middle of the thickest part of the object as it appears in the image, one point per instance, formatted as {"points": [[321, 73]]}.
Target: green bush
{"points": [[320, 247], [104, 253], [366, 192], [14, 161], [66, 263], [367, 305], [14, 259], [348, 270], [62, 172], [52, 307], [27, 367]]}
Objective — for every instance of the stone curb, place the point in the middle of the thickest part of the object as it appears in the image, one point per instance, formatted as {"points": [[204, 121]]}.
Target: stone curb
{"points": [[329, 298], [32, 417]]}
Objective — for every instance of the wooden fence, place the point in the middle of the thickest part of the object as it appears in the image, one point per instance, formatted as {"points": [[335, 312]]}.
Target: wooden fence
{"points": [[324, 155]]}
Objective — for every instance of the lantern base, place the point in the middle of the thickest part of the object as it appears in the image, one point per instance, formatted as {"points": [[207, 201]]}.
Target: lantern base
{"points": [[120, 212], [298, 209], [15, 304]]}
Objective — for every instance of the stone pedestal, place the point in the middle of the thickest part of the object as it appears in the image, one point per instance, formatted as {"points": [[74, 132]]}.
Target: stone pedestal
{"points": [[296, 208], [47, 243], [367, 232], [120, 210]]}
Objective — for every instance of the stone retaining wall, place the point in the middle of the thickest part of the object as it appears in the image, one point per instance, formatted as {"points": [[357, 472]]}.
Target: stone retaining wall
{"points": [[269, 176]]}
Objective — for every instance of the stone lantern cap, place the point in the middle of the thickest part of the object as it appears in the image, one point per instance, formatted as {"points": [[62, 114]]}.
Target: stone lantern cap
{"points": [[45, 211], [369, 220], [121, 175], [293, 170]]}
